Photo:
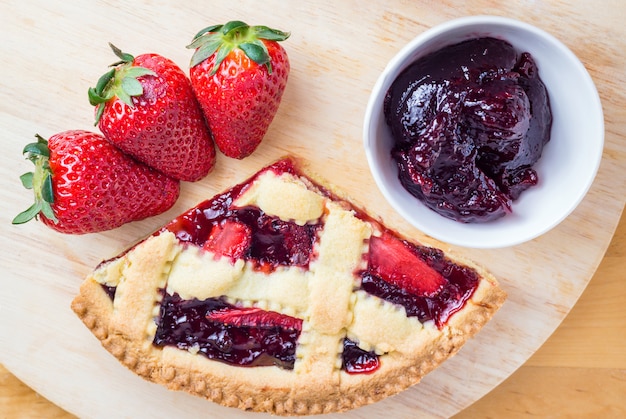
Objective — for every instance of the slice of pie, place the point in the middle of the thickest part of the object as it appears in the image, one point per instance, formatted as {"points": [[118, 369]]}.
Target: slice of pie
{"points": [[280, 296]]}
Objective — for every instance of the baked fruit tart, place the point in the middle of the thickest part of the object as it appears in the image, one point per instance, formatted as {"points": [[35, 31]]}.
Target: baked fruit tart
{"points": [[279, 295]]}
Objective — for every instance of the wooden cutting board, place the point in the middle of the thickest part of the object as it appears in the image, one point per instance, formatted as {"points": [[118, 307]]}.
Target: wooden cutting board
{"points": [[54, 50]]}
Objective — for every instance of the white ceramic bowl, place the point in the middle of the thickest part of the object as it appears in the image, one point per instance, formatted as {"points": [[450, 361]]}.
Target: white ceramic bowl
{"points": [[569, 161]]}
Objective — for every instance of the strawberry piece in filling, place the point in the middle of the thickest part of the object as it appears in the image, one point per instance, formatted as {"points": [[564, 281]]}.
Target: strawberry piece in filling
{"points": [[421, 279], [395, 261], [230, 238], [254, 317]]}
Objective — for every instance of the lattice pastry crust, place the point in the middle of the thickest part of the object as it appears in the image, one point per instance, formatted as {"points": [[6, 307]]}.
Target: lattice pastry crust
{"points": [[325, 293]]}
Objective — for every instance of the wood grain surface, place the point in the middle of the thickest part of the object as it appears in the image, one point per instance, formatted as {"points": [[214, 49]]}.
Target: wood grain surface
{"points": [[53, 51]]}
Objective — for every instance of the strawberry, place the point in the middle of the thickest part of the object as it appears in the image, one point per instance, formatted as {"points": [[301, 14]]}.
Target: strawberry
{"points": [[254, 317], [395, 262], [231, 238], [145, 106], [239, 74], [84, 184]]}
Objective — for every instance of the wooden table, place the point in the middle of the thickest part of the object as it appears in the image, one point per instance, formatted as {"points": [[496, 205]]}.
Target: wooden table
{"points": [[53, 51]]}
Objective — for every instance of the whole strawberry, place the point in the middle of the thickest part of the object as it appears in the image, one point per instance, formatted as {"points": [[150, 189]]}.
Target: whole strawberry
{"points": [[239, 74], [84, 184], [145, 106]]}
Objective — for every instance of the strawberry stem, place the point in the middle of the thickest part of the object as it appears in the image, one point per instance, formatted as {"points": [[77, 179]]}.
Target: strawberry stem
{"points": [[40, 181], [120, 81], [222, 39]]}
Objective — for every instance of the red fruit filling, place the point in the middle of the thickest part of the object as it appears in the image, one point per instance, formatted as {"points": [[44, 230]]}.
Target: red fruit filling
{"points": [[468, 122], [242, 336], [245, 233], [356, 360], [221, 331], [110, 291], [419, 278]]}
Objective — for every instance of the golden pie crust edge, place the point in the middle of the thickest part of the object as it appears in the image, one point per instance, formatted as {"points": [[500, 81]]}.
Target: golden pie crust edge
{"points": [[181, 370]]}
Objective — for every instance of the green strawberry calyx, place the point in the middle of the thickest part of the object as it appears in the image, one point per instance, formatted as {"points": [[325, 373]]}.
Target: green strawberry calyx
{"points": [[120, 81], [40, 181], [222, 39]]}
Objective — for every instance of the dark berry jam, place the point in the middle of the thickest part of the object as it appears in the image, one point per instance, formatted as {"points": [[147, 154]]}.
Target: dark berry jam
{"points": [[356, 360], [459, 285], [193, 324], [272, 242], [469, 121], [110, 291]]}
